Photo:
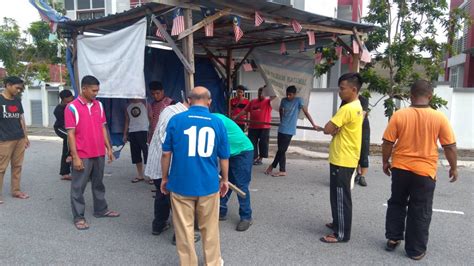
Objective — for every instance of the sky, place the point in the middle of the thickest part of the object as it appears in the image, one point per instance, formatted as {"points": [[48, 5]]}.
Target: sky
{"points": [[21, 10]]}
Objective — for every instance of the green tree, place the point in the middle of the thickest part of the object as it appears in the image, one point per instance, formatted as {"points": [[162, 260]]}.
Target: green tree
{"points": [[406, 30], [29, 60]]}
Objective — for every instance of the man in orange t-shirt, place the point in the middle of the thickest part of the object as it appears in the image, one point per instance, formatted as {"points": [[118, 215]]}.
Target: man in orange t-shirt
{"points": [[411, 140]]}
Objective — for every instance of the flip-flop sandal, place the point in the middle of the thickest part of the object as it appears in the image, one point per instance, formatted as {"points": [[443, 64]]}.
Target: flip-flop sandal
{"points": [[1, 201], [278, 174], [331, 239], [136, 180], [330, 225], [66, 177], [151, 182], [109, 214], [81, 225], [21, 195]]}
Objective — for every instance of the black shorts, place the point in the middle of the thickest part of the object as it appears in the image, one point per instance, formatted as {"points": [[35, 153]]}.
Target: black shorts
{"points": [[365, 148], [138, 146]]}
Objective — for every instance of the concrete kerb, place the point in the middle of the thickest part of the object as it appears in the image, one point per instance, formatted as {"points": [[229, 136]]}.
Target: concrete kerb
{"points": [[292, 149]]}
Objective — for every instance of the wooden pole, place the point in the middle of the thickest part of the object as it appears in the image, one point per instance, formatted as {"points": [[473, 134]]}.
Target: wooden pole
{"points": [[74, 58], [228, 73], [188, 46]]}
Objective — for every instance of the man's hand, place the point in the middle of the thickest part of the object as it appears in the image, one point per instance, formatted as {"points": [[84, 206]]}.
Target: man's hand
{"points": [[27, 143], [77, 164], [453, 174], [125, 139], [386, 168], [318, 128], [223, 187], [110, 155], [163, 187]]}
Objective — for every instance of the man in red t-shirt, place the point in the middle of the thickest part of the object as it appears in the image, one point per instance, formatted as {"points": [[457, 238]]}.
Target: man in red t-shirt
{"points": [[237, 104], [260, 110]]}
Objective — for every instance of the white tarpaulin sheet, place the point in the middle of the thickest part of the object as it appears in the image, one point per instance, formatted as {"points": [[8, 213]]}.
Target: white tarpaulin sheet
{"points": [[281, 71], [116, 60]]}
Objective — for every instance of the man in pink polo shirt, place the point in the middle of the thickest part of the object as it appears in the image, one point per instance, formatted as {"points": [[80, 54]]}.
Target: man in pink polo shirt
{"points": [[88, 139]]}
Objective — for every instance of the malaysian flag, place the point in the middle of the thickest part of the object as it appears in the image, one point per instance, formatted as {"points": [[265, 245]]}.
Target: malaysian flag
{"points": [[339, 51], [159, 34], [208, 28], [296, 26], [258, 19], [283, 49], [247, 67], [311, 37], [178, 22], [355, 47], [365, 57], [317, 57], [302, 46], [48, 14], [238, 33]]}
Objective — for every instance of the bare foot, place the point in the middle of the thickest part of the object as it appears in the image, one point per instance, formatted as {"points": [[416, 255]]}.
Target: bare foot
{"points": [[21, 195], [279, 174], [66, 177], [269, 170]]}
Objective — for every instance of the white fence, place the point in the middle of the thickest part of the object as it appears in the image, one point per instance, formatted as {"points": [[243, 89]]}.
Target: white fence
{"points": [[460, 112]]}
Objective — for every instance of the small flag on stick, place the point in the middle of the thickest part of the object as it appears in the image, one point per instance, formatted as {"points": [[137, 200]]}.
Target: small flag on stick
{"points": [[209, 27], [296, 26], [283, 48], [311, 37], [258, 19], [159, 34], [178, 22], [238, 33]]}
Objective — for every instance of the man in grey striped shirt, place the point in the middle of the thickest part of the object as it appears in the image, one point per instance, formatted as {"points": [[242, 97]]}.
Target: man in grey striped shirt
{"points": [[153, 167]]}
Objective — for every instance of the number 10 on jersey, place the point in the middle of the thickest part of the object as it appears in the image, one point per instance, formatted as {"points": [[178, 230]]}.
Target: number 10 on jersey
{"points": [[203, 140]]}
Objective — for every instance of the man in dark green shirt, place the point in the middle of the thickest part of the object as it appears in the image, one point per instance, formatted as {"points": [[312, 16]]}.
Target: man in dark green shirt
{"points": [[240, 171]]}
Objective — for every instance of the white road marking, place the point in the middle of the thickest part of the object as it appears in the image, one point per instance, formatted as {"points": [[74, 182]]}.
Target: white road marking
{"points": [[440, 210], [253, 189]]}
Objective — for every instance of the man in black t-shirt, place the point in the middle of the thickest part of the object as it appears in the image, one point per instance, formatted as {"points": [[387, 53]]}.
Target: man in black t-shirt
{"points": [[66, 97], [13, 137]]}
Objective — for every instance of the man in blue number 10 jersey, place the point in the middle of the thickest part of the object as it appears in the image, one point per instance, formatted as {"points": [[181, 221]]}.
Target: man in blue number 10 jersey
{"points": [[196, 140]]}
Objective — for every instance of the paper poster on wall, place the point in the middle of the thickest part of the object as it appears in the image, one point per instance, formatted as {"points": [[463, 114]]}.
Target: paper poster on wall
{"points": [[116, 60], [281, 71]]}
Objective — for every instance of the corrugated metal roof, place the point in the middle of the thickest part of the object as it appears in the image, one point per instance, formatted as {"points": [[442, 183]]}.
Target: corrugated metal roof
{"points": [[273, 30]]}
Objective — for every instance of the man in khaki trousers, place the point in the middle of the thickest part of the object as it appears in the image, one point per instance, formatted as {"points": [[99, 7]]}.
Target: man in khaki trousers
{"points": [[13, 137], [197, 142]]}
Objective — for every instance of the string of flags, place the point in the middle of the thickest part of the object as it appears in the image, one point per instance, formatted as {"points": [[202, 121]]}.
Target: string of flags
{"points": [[178, 27]]}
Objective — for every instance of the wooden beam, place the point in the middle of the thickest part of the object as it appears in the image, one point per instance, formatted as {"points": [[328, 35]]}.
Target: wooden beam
{"points": [[202, 23], [188, 45], [358, 40], [169, 40], [343, 44], [236, 68], [211, 55]]}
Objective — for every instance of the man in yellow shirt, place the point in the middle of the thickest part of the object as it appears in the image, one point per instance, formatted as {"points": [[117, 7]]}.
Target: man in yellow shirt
{"points": [[411, 139], [344, 152]]}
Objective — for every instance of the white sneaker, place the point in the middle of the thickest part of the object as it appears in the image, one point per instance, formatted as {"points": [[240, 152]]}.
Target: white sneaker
{"points": [[222, 262]]}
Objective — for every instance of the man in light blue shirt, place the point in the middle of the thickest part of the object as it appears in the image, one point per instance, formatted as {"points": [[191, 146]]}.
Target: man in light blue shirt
{"points": [[197, 142], [289, 110]]}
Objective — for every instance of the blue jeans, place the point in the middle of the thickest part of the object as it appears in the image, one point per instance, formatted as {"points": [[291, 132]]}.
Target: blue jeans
{"points": [[240, 174]]}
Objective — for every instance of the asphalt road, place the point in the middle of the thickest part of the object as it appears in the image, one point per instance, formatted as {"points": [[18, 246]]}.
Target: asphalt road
{"points": [[289, 217]]}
